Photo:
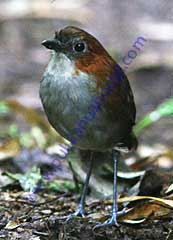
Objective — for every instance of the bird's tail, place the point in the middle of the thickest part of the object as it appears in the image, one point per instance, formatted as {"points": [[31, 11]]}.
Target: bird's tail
{"points": [[129, 143]]}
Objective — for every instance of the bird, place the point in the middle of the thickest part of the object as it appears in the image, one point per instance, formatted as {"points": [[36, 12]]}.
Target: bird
{"points": [[88, 100]]}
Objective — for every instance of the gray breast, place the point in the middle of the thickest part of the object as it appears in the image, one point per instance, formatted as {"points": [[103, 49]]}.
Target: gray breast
{"points": [[65, 95], [66, 98]]}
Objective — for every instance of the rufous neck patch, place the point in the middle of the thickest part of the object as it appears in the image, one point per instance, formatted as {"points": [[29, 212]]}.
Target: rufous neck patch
{"points": [[99, 66]]}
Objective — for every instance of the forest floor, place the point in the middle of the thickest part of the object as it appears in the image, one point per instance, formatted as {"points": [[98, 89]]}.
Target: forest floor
{"points": [[34, 221]]}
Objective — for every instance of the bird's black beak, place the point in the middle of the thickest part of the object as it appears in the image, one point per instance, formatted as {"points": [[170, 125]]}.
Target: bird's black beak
{"points": [[52, 44]]}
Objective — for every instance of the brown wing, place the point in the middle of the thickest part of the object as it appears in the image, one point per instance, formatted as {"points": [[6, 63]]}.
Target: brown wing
{"points": [[120, 97], [120, 105]]}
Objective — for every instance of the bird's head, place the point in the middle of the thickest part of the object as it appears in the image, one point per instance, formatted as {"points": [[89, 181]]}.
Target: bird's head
{"points": [[83, 49]]}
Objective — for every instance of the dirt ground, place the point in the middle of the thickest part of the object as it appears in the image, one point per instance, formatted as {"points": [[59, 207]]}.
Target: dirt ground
{"points": [[34, 221]]}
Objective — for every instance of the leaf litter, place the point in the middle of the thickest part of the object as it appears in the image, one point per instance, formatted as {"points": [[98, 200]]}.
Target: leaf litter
{"points": [[37, 212]]}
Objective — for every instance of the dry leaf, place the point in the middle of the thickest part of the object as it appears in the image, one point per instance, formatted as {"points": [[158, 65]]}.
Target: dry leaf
{"points": [[34, 118], [170, 189], [12, 225], [166, 202], [147, 210], [130, 175], [9, 149], [29, 114]]}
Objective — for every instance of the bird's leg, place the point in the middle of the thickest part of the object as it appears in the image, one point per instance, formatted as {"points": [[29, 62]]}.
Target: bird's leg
{"points": [[80, 210], [113, 219]]}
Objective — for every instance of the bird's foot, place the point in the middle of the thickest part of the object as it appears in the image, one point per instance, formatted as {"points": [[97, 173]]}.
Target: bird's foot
{"points": [[78, 213], [112, 221]]}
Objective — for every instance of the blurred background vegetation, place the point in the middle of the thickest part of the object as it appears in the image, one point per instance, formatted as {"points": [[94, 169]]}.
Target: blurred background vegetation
{"points": [[26, 138]]}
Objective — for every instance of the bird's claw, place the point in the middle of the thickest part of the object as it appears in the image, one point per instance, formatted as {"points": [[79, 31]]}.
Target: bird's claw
{"points": [[112, 221], [78, 213]]}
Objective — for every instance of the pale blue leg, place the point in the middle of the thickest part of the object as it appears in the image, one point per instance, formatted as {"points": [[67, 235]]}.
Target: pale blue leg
{"points": [[113, 219]]}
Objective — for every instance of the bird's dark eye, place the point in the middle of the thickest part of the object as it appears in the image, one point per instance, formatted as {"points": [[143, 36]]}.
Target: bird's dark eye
{"points": [[79, 47]]}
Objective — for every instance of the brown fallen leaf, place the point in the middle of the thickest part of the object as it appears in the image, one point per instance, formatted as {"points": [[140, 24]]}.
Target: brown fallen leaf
{"points": [[34, 118], [163, 201], [12, 225], [146, 210], [158, 156], [9, 149], [29, 114]]}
